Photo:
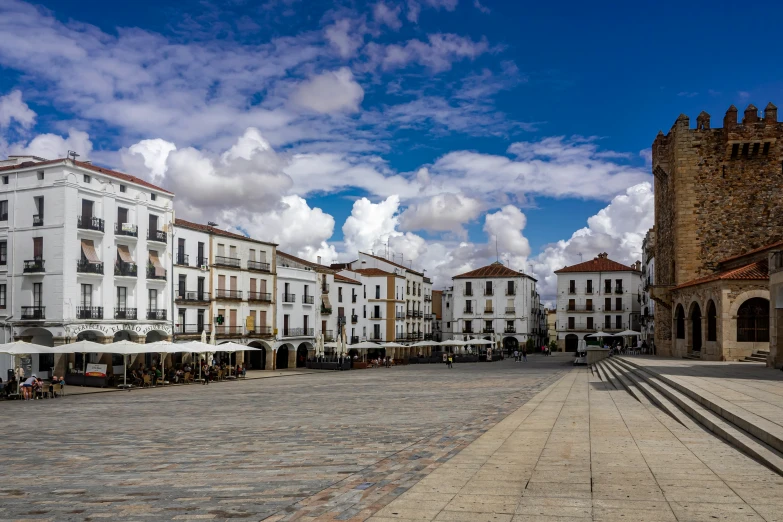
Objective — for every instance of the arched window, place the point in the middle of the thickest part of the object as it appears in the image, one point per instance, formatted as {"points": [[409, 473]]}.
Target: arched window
{"points": [[712, 322], [753, 321], [679, 316]]}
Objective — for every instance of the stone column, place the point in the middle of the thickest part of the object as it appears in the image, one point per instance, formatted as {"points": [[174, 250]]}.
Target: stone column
{"points": [[270, 360], [292, 358], [60, 360]]}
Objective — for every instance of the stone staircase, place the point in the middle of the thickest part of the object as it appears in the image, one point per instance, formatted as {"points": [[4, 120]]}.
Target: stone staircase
{"points": [[757, 356], [754, 435], [692, 355]]}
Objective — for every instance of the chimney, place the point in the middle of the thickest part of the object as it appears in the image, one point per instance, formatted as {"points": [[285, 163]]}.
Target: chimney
{"points": [[770, 113], [319, 260], [730, 120], [751, 114]]}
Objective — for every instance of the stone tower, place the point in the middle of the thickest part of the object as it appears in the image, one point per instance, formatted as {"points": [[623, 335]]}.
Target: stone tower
{"points": [[718, 193]]}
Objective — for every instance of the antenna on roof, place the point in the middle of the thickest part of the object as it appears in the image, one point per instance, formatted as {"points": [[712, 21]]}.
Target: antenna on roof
{"points": [[580, 256], [212, 224], [497, 252], [72, 155]]}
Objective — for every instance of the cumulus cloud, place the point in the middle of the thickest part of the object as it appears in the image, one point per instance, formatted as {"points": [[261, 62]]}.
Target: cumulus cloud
{"points": [[12, 108], [441, 213], [385, 15], [345, 37], [415, 6], [437, 53], [53, 146], [331, 91]]}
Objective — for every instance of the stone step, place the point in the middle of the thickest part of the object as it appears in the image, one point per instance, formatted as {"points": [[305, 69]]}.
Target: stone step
{"points": [[602, 374], [755, 358], [655, 397], [754, 426], [692, 355], [735, 436], [763, 353], [626, 383], [610, 377]]}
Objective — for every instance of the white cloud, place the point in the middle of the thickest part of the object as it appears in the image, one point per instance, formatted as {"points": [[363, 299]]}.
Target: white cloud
{"points": [[52, 146], [441, 213], [481, 7], [329, 92], [438, 53], [12, 108], [385, 15], [617, 229], [345, 37]]}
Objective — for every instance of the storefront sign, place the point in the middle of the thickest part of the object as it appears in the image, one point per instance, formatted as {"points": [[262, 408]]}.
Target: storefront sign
{"points": [[73, 330], [95, 370]]}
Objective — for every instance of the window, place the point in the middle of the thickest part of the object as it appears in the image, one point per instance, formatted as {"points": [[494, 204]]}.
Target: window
{"points": [[487, 289], [618, 322], [607, 322], [376, 314], [87, 178], [589, 286], [468, 288], [510, 288], [571, 323], [618, 283], [86, 296], [40, 174], [590, 323], [200, 320], [153, 197], [122, 188], [753, 321], [734, 150], [339, 294], [122, 216], [153, 299], [608, 286], [4, 210], [3, 252], [37, 294], [2, 297], [618, 304], [571, 304], [572, 286], [712, 322], [37, 248], [679, 317], [5, 180], [122, 297], [376, 331], [607, 304], [182, 283], [377, 291], [201, 259], [468, 306], [765, 150]]}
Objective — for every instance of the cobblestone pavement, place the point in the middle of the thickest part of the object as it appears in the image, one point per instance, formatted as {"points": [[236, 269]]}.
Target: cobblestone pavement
{"points": [[323, 446]]}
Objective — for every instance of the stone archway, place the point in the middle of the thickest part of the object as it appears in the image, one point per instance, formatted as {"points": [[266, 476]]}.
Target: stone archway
{"points": [[281, 357], [510, 344], [712, 321], [39, 364], [694, 320], [256, 359], [301, 356], [753, 321], [571, 342]]}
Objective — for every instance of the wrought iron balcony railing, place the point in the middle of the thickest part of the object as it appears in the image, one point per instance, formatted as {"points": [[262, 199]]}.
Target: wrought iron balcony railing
{"points": [[89, 312], [258, 266], [128, 314], [89, 223], [85, 267]]}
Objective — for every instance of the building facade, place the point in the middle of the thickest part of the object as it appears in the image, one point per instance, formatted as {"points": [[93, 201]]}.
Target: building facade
{"points": [[71, 238], [296, 314], [225, 282], [495, 300], [437, 315], [599, 295], [647, 321], [551, 325], [775, 262], [717, 195]]}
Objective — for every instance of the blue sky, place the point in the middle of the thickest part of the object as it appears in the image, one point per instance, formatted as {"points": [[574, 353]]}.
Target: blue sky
{"points": [[437, 126]]}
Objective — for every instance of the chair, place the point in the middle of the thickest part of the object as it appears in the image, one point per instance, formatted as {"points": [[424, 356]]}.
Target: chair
{"points": [[187, 378], [57, 389], [147, 381]]}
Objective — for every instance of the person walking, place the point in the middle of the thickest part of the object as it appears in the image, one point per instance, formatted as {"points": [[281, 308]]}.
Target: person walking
{"points": [[450, 361], [516, 355], [524, 354]]}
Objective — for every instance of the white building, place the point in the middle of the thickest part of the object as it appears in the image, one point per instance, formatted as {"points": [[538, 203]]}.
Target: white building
{"points": [[494, 300], [71, 238], [226, 282], [447, 326], [597, 295], [297, 286], [385, 304], [647, 321]]}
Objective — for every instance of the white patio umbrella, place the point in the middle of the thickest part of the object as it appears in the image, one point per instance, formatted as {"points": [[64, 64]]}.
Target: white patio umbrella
{"points": [[364, 345], [600, 334], [626, 333], [482, 342]]}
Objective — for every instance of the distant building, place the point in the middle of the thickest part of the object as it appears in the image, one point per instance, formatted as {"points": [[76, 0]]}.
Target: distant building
{"points": [[551, 325], [594, 296], [647, 321], [437, 312]]}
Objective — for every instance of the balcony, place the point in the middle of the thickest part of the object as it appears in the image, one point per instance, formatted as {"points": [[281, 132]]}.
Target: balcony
{"points": [[580, 308], [589, 290], [427, 298], [308, 299], [354, 319], [263, 297], [467, 329], [375, 315], [191, 329], [182, 259], [125, 269], [489, 311], [510, 329], [618, 290], [4, 216], [194, 296], [89, 312], [156, 235], [289, 298], [428, 337], [128, 314], [222, 293], [298, 332], [510, 310], [85, 267], [226, 330], [376, 338], [153, 273], [230, 262], [400, 315], [429, 317], [38, 220], [32, 266], [579, 327], [511, 292], [202, 261], [126, 229], [468, 311], [258, 266], [572, 290], [418, 313], [489, 291], [261, 331], [353, 298], [488, 330], [156, 314], [468, 292], [328, 335], [89, 223], [615, 328], [33, 313], [324, 288], [325, 310], [354, 339]]}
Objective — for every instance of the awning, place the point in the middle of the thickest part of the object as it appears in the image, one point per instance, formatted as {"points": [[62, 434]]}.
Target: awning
{"points": [[88, 249], [159, 270], [326, 302], [124, 254]]}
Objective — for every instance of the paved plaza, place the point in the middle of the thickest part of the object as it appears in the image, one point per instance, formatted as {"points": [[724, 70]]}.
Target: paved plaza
{"points": [[299, 446]]}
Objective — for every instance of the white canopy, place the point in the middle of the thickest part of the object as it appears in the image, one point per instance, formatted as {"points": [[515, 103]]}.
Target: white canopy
{"points": [[628, 332], [364, 345], [479, 342], [333, 344], [600, 334], [22, 348], [454, 342], [233, 347], [393, 345], [425, 343], [85, 347]]}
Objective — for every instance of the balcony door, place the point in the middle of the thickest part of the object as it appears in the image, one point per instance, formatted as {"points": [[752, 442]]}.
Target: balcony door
{"points": [[153, 300], [153, 224], [200, 288], [182, 284], [86, 298], [87, 207], [262, 318], [232, 321], [122, 297], [221, 284], [37, 295], [286, 321], [37, 248], [122, 217], [376, 331]]}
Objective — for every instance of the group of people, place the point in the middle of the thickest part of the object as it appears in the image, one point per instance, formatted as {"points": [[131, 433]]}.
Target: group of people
{"points": [[619, 348], [381, 361], [176, 374], [520, 355], [30, 388]]}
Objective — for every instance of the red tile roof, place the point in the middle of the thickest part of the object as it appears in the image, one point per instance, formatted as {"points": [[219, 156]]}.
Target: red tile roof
{"points": [[374, 272], [89, 166], [496, 269], [218, 232], [316, 266], [343, 279], [599, 264], [393, 263], [777, 244], [751, 272]]}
